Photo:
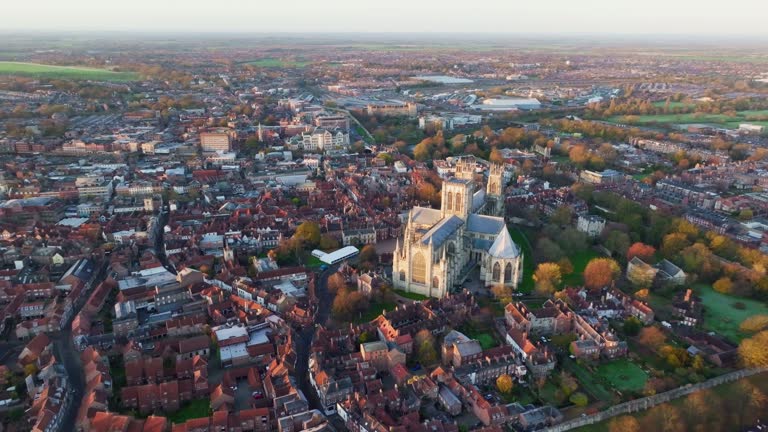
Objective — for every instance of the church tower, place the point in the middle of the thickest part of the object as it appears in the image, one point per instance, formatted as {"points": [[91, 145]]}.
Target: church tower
{"points": [[494, 193], [457, 198], [465, 168]]}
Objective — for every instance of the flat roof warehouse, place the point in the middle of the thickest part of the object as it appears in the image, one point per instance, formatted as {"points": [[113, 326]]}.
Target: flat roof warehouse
{"points": [[335, 256]]}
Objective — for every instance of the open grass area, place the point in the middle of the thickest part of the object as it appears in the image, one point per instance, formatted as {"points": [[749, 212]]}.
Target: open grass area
{"points": [[623, 375], [662, 104], [64, 72], [724, 392], [273, 62], [723, 315], [579, 262], [191, 410], [374, 310], [482, 335], [410, 295], [528, 265], [759, 117], [588, 382], [313, 261]]}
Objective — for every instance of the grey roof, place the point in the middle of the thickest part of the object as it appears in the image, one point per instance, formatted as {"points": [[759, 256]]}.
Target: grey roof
{"points": [[469, 348], [504, 246], [425, 216], [485, 224], [481, 244], [439, 233], [458, 180], [448, 397], [478, 198], [454, 336]]}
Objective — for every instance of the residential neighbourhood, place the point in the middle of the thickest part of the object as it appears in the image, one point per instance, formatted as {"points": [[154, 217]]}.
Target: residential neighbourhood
{"points": [[285, 234]]}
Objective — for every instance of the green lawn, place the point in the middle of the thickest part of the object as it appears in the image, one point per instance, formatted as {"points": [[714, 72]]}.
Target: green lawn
{"points": [[374, 310], [273, 62], [623, 375], [724, 392], [528, 265], [313, 261], [579, 262], [588, 383], [755, 117], [482, 335], [410, 295], [721, 316], [191, 410], [64, 72], [662, 104]]}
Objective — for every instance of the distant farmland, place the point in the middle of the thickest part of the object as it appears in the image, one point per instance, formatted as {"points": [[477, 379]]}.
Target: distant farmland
{"points": [[64, 72], [755, 117], [272, 62]]}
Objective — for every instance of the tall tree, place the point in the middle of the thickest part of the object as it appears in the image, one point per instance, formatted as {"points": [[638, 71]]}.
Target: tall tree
{"points": [[547, 277], [600, 272]]}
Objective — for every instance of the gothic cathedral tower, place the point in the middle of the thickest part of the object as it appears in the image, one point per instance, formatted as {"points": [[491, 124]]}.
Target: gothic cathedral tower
{"points": [[494, 194], [457, 198]]}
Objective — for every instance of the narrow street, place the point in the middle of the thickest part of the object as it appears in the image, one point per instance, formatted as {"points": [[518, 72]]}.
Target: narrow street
{"points": [[305, 336], [69, 356]]}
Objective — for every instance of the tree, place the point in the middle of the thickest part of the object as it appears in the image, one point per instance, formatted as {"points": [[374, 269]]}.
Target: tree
{"points": [[663, 418], [624, 424], [568, 383], [30, 369], [502, 292], [673, 244], [336, 282], [308, 233], [579, 399], [328, 243], [652, 337], [425, 347], [641, 250], [547, 250], [641, 276], [562, 216], [566, 266], [368, 254], [496, 156], [548, 278], [617, 242], [632, 326], [600, 272], [579, 155], [504, 383], [753, 351], [723, 285], [754, 324]]}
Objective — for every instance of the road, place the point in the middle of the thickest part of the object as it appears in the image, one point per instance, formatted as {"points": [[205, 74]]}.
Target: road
{"points": [[66, 353], [304, 338]]}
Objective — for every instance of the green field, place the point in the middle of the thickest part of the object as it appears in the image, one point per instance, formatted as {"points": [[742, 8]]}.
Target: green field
{"points": [[410, 295], [623, 375], [64, 72], [662, 104], [191, 410], [482, 335], [722, 317], [273, 62], [528, 265], [588, 383], [374, 310], [759, 117], [723, 392]]}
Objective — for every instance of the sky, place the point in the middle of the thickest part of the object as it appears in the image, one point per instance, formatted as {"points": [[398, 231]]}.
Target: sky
{"points": [[548, 17]]}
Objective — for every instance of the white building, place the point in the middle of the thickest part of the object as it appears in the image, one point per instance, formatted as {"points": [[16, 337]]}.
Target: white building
{"points": [[592, 225], [320, 139]]}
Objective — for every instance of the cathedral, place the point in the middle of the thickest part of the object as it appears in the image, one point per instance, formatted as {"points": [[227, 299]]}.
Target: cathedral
{"points": [[441, 247]]}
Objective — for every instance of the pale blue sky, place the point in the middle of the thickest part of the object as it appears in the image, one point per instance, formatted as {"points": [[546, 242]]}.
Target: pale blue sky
{"points": [[713, 17]]}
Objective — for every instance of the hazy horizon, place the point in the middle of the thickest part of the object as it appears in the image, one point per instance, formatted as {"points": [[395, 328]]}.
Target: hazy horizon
{"points": [[651, 18]]}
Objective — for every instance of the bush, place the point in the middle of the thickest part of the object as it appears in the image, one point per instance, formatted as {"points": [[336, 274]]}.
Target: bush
{"points": [[579, 399]]}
